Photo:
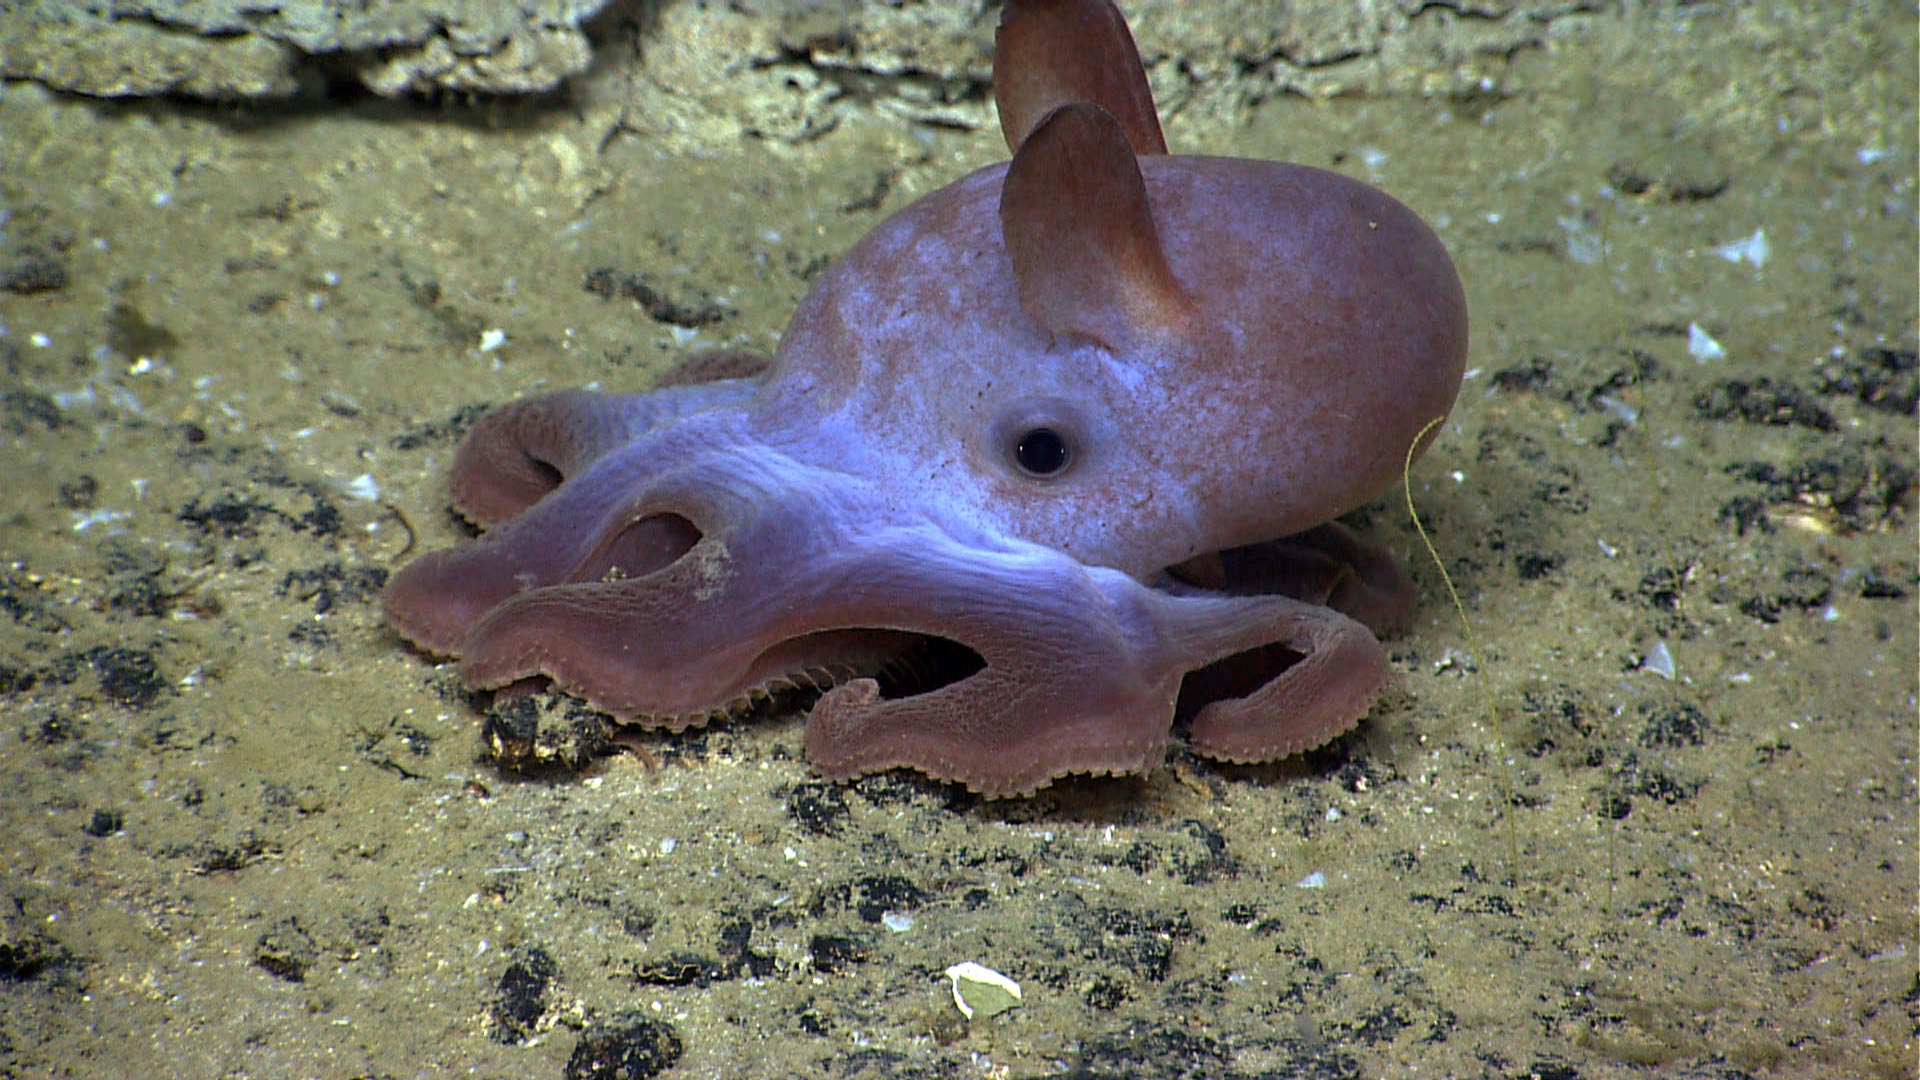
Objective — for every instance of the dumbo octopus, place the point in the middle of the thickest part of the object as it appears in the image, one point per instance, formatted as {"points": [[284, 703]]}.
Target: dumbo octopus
{"points": [[1043, 472]]}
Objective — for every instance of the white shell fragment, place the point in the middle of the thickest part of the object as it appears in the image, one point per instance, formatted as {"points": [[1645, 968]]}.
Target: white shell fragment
{"points": [[1620, 410], [1750, 249], [1659, 661], [1701, 346], [982, 991], [364, 487]]}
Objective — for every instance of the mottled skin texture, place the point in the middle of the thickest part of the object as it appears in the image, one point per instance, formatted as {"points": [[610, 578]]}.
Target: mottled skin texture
{"points": [[1044, 463]]}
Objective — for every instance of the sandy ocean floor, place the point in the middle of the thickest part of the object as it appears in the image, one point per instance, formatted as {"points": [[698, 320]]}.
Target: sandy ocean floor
{"points": [[246, 832]]}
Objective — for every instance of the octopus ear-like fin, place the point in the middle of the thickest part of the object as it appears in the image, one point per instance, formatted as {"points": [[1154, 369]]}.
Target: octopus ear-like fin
{"points": [[1080, 232], [1050, 52]]}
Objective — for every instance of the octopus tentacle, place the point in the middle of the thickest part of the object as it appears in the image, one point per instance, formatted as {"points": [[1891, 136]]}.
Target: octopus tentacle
{"points": [[1093, 691], [1268, 676], [1326, 565], [1065, 667], [1055, 679], [606, 522], [519, 452]]}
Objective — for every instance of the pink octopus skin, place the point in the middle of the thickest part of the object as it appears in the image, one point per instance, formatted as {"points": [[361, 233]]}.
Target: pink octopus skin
{"points": [[1220, 355]]}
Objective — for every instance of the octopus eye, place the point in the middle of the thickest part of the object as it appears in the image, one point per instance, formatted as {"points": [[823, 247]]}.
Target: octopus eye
{"points": [[1042, 451], [1039, 438]]}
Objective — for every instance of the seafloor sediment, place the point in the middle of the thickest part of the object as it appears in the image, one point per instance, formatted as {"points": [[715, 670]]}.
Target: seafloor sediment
{"points": [[1655, 811]]}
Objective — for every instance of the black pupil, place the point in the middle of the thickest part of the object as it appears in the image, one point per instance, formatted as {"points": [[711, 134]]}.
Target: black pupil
{"points": [[1041, 451]]}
